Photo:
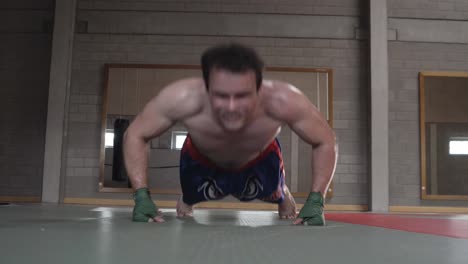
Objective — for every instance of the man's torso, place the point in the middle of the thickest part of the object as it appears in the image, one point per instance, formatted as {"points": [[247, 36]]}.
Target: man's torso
{"points": [[231, 150]]}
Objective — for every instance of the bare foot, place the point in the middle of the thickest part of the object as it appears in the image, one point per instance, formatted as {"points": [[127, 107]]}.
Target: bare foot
{"points": [[287, 208], [183, 209]]}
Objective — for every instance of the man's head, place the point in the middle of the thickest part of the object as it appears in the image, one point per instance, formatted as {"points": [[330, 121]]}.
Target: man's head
{"points": [[232, 75], [234, 58]]}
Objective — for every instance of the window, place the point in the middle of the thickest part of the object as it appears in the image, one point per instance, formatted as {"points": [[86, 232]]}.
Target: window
{"points": [[178, 138], [458, 146], [109, 138]]}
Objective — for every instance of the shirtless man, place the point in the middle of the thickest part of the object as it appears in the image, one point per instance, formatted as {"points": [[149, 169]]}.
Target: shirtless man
{"points": [[232, 117]]}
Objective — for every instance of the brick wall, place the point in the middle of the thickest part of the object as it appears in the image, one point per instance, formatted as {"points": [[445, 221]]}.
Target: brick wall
{"points": [[120, 32], [25, 49], [429, 9], [424, 35], [433, 39]]}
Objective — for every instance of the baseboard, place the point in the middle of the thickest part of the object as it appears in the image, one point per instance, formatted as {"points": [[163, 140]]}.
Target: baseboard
{"points": [[239, 205], [428, 209], [207, 205], [20, 199], [94, 201]]}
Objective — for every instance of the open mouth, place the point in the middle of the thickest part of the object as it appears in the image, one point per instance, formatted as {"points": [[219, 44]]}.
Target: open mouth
{"points": [[231, 117]]}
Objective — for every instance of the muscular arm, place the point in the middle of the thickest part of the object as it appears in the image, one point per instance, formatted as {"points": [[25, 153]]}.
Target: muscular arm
{"points": [[173, 103], [293, 107]]}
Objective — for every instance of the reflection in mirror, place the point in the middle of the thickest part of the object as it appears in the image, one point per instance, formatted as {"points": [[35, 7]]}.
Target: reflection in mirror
{"points": [[127, 90], [444, 135], [129, 87]]}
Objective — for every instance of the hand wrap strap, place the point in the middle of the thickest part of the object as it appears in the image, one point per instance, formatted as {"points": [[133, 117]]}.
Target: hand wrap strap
{"points": [[144, 208], [312, 211]]}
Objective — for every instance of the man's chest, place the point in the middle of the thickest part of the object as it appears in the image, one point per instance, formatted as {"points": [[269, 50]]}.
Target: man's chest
{"points": [[232, 149]]}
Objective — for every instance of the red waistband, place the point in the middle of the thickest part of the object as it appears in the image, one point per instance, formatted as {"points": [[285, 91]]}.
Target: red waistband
{"points": [[197, 155]]}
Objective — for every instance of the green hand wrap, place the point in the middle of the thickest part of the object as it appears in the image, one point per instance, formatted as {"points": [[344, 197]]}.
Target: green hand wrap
{"points": [[312, 211], [144, 207]]}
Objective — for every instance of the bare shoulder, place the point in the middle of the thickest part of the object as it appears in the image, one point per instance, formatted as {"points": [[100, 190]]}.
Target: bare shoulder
{"points": [[182, 98], [281, 100]]}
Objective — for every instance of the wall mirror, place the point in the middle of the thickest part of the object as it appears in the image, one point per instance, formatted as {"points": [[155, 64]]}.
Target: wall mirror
{"points": [[128, 87], [444, 135]]}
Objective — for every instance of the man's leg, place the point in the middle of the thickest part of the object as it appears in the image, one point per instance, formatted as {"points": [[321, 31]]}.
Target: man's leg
{"points": [[183, 209], [270, 179], [199, 180], [287, 208]]}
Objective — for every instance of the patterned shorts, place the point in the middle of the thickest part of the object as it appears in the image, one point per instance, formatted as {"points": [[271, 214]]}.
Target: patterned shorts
{"points": [[262, 178]]}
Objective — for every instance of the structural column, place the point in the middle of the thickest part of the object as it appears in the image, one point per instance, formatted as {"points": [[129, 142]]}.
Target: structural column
{"points": [[59, 87], [379, 106]]}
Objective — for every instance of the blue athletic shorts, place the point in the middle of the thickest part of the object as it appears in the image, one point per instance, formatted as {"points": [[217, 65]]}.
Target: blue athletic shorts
{"points": [[262, 178]]}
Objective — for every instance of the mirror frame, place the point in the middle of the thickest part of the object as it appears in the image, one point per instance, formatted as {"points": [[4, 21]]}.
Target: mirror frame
{"points": [[108, 66], [422, 130]]}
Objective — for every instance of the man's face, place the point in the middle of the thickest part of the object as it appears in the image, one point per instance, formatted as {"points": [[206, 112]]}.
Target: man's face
{"points": [[233, 98]]}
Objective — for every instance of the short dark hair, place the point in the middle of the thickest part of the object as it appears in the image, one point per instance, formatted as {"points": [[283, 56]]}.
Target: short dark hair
{"points": [[233, 57]]}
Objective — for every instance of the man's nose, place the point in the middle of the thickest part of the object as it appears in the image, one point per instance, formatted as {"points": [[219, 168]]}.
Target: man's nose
{"points": [[232, 103]]}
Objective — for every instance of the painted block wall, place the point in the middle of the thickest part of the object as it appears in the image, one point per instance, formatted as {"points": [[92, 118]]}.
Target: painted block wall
{"points": [[429, 36], [313, 34], [25, 50]]}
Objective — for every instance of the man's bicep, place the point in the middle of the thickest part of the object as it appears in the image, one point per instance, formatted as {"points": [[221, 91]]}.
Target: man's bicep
{"points": [[289, 105], [310, 125], [152, 121]]}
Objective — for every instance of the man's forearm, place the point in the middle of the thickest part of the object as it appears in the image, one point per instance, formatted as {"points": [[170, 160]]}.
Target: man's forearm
{"points": [[324, 158], [136, 160]]}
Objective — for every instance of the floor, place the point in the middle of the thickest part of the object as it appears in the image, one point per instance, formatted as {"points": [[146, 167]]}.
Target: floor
{"points": [[89, 234]]}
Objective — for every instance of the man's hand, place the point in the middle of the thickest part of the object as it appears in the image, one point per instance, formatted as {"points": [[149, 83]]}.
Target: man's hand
{"points": [[145, 210], [312, 211]]}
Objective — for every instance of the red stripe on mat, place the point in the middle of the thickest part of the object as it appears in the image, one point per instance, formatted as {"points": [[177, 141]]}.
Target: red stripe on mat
{"points": [[435, 226]]}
